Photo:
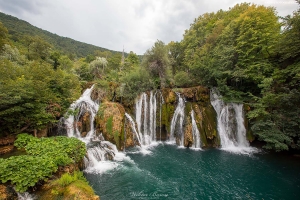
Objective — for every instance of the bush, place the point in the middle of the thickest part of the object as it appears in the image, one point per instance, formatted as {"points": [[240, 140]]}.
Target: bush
{"points": [[182, 79]]}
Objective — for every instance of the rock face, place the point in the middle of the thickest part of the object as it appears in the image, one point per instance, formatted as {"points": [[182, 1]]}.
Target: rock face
{"points": [[7, 193], [110, 122], [198, 100], [6, 149]]}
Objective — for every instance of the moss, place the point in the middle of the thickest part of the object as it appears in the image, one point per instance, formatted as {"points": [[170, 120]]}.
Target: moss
{"points": [[167, 113], [109, 125], [69, 186], [110, 122], [168, 95]]}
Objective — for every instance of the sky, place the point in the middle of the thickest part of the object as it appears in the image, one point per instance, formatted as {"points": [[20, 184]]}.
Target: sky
{"points": [[132, 24]]}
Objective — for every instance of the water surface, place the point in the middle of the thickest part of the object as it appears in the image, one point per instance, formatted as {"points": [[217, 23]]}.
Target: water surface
{"points": [[169, 172]]}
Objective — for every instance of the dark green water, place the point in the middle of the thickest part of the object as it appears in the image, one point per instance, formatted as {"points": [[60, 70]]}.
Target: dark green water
{"points": [[175, 173]]}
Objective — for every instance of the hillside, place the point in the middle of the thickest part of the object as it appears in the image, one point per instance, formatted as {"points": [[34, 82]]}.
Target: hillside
{"points": [[18, 28]]}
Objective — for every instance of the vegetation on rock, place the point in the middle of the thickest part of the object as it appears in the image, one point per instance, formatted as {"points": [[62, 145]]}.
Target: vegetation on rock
{"points": [[43, 158]]}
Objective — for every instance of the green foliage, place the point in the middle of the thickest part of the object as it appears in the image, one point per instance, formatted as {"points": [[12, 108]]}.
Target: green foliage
{"points": [[245, 54], [182, 79], [23, 139], [36, 93], [136, 81], [66, 179], [25, 171], [43, 157], [156, 61]]}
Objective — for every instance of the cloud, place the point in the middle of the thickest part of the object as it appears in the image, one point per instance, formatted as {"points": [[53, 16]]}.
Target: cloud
{"points": [[19, 7], [136, 24]]}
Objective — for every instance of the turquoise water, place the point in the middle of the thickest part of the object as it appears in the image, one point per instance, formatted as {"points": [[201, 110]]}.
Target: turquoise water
{"points": [[169, 172]]}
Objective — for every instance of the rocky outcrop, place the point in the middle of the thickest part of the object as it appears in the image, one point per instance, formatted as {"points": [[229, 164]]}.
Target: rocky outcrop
{"points": [[7, 140], [6, 149], [110, 122], [7, 193]]}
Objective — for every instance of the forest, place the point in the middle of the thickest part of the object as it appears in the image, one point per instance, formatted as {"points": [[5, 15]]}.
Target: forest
{"points": [[248, 52]]}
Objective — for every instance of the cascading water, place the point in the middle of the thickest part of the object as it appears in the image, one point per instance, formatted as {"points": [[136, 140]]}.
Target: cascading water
{"points": [[177, 121], [25, 196], [231, 126], [146, 118], [83, 105], [161, 102], [98, 150], [196, 133], [133, 127]]}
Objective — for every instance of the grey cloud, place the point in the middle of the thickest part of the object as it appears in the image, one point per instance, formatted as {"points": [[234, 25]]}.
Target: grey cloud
{"points": [[19, 7]]}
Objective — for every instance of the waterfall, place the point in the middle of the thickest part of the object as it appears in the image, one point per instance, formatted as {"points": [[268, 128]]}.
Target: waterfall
{"points": [[195, 131], [99, 152], [133, 128], [161, 102], [230, 122], [145, 108], [152, 111], [25, 196], [177, 121], [83, 105]]}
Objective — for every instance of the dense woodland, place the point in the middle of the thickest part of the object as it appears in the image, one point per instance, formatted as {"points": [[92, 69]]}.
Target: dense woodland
{"points": [[248, 52]]}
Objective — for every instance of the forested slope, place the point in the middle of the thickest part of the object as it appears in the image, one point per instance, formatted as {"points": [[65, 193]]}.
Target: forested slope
{"points": [[19, 28]]}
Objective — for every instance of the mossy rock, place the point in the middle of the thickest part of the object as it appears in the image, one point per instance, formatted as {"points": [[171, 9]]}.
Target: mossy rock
{"points": [[198, 94], [7, 193], [110, 122], [188, 132], [167, 114], [249, 134], [205, 117], [78, 189], [168, 95]]}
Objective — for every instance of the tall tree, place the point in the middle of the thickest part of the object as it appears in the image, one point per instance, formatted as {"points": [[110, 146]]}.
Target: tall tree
{"points": [[156, 60]]}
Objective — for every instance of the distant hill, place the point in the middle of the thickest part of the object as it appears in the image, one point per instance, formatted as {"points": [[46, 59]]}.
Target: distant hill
{"points": [[18, 28]]}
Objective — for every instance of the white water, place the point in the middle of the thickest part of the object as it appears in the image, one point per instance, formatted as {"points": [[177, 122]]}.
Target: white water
{"points": [[196, 133], [145, 108], [231, 128], [132, 123], [177, 121], [99, 152], [160, 110], [82, 105], [25, 196]]}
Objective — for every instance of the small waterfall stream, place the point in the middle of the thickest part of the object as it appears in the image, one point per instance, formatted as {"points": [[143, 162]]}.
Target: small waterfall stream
{"points": [[133, 127], [196, 133], [177, 121], [230, 124]]}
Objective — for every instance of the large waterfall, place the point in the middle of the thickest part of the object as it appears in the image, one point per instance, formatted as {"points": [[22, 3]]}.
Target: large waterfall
{"points": [[177, 121], [231, 127], [146, 108]]}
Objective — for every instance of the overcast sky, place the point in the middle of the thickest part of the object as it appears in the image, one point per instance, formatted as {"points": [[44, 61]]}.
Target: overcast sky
{"points": [[112, 24]]}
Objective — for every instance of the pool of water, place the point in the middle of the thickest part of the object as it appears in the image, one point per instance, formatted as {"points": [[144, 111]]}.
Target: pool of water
{"points": [[167, 172]]}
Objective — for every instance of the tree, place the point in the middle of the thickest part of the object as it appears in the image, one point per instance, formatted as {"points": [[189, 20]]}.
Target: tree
{"points": [[3, 35], [156, 60], [95, 66], [176, 56]]}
